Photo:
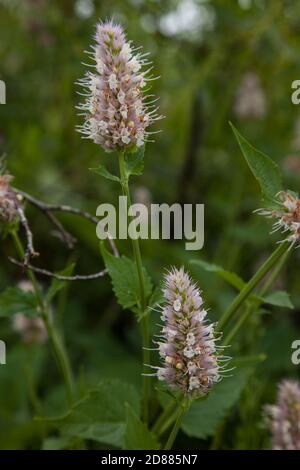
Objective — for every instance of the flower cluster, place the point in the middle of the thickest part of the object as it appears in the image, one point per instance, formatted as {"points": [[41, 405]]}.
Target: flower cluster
{"points": [[8, 201], [188, 347], [284, 417], [287, 217], [115, 112], [32, 330]]}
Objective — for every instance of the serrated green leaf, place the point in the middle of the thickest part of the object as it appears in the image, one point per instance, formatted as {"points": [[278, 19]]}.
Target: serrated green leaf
{"points": [[101, 170], [279, 299], [263, 168], [231, 277], [14, 300], [137, 435], [57, 285], [101, 414], [205, 415], [134, 161], [124, 277]]}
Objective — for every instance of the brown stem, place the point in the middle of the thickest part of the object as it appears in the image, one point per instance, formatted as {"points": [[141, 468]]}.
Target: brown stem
{"points": [[45, 272], [30, 251], [48, 208], [65, 236]]}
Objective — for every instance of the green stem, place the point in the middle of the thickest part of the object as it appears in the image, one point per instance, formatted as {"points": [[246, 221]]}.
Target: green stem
{"points": [[237, 326], [58, 348], [167, 423], [216, 441], [143, 300], [182, 410], [37, 406], [159, 426], [61, 357], [252, 308], [250, 286], [272, 277]]}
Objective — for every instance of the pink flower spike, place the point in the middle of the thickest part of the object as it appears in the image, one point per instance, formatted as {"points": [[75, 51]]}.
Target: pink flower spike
{"points": [[116, 114], [188, 349]]}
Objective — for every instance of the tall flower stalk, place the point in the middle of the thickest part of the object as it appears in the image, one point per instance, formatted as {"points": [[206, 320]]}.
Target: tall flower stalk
{"points": [[117, 114], [287, 220]]}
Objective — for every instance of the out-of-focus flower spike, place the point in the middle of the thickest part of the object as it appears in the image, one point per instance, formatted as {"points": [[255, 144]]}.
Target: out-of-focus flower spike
{"points": [[284, 417]]}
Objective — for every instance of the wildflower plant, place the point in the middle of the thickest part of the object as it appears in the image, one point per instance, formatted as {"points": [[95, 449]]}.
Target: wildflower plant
{"points": [[29, 303], [117, 113], [268, 175]]}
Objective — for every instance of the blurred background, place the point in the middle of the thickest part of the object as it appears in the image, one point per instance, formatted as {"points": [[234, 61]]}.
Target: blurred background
{"points": [[218, 61]]}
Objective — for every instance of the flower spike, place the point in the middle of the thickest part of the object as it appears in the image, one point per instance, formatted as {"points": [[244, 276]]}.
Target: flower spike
{"points": [[116, 114], [191, 360]]}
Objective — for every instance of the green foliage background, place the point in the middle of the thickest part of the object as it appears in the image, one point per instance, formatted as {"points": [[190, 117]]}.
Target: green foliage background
{"points": [[194, 159]]}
